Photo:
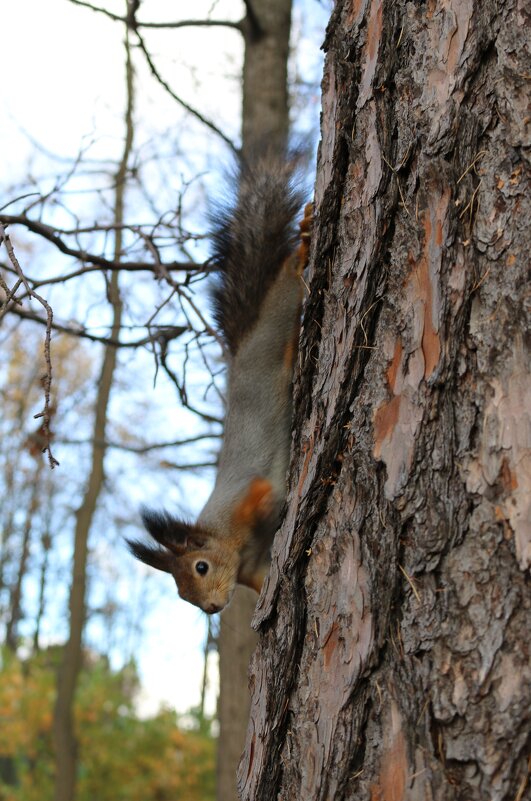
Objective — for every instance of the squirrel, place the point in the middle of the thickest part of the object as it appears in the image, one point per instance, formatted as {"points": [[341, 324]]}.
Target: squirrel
{"points": [[257, 307]]}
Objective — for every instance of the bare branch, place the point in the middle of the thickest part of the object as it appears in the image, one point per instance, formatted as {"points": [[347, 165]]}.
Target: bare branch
{"points": [[186, 106], [140, 449], [164, 332], [180, 389], [47, 378], [188, 467], [196, 23], [17, 199], [99, 10], [50, 234]]}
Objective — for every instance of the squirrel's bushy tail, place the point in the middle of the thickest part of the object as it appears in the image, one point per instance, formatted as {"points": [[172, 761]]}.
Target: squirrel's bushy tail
{"points": [[252, 235]]}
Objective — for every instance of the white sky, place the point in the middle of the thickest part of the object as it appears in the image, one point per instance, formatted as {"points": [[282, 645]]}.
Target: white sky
{"points": [[62, 83], [62, 69]]}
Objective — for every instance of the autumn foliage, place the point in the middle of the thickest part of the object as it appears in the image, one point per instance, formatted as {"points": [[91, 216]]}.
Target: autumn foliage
{"points": [[122, 757]]}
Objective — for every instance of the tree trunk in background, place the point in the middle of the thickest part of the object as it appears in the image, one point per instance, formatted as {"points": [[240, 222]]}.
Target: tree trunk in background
{"points": [[236, 643], [265, 117], [15, 601], [46, 543], [11, 500], [265, 100], [393, 657], [63, 724]]}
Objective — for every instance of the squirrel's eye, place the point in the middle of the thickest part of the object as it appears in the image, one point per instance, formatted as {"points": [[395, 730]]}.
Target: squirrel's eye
{"points": [[201, 568]]}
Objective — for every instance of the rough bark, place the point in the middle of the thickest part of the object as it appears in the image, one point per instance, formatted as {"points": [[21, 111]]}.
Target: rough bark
{"points": [[393, 657], [69, 668], [265, 118]]}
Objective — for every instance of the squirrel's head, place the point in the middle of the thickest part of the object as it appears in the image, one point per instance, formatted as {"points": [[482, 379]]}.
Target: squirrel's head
{"points": [[205, 573], [207, 564]]}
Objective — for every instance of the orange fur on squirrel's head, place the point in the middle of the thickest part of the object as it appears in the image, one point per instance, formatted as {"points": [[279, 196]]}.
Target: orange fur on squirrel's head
{"points": [[205, 573]]}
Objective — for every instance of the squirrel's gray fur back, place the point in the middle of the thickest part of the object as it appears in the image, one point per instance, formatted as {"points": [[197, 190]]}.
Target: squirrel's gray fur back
{"points": [[252, 236]]}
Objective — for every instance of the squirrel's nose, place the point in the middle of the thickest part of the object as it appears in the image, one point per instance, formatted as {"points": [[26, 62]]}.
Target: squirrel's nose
{"points": [[211, 609]]}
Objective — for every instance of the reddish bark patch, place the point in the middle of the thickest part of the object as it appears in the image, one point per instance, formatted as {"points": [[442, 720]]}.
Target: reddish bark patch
{"points": [[508, 478], [393, 368], [394, 765], [374, 29], [385, 420], [331, 645], [387, 415], [394, 770], [374, 33], [354, 13], [422, 296]]}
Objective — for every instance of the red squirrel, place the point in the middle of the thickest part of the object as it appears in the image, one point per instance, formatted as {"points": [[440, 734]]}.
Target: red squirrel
{"points": [[257, 307]]}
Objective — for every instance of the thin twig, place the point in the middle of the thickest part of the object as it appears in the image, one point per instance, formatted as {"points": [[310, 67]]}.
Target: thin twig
{"points": [[50, 234], [186, 106], [366, 312], [168, 332], [471, 165], [47, 378], [411, 584], [182, 394], [140, 449], [196, 23]]}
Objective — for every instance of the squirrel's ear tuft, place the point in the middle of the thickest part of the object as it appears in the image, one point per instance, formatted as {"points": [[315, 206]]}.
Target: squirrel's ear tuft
{"points": [[176, 535], [158, 524], [154, 557]]}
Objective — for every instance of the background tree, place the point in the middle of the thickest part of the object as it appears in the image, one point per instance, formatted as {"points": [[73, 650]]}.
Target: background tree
{"points": [[158, 757], [393, 657], [265, 118], [70, 665]]}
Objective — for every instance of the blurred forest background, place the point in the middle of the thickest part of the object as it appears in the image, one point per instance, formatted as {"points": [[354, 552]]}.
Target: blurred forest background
{"points": [[111, 381]]}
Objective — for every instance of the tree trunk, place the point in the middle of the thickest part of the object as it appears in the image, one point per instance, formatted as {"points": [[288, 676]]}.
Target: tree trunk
{"points": [[392, 662], [237, 641], [11, 468], [15, 601], [265, 101], [63, 725], [46, 543], [265, 118]]}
